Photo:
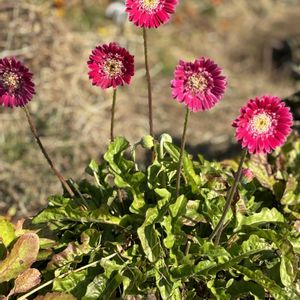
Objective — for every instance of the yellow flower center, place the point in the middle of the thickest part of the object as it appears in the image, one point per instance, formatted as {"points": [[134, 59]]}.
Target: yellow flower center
{"points": [[261, 123], [10, 80], [113, 67], [197, 83], [149, 4]]}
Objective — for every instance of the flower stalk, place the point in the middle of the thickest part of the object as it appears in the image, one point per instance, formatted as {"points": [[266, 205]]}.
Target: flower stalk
{"points": [[148, 77], [183, 142], [113, 115], [46, 155], [220, 226]]}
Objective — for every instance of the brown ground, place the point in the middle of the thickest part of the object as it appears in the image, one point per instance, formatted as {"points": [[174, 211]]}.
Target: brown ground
{"points": [[73, 117]]}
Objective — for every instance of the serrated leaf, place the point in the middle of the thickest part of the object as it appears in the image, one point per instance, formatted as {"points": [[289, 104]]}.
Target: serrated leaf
{"points": [[69, 282], [289, 261], [244, 288], [211, 267], [22, 256], [271, 286], [95, 288], [291, 195], [7, 232], [147, 233], [149, 241], [266, 215], [169, 290], [114, 152]]}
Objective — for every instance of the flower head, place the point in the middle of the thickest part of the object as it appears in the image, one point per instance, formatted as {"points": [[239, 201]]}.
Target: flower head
{"points": [[16, 86], [263, 124], [110, 65], [198, 84], [150, 13]]}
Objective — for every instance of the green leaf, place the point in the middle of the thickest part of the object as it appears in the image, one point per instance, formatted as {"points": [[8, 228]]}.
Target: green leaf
{"points": [[7, 232], [111, 284], [147, 233], [266, 215], [172, 150], [244, 288], [69, 282], [149, 241], [289, 261], [192, 178], [291, 195], [218, 292], [22, 256], [168, 289], [95, 288], [271, 286], [113, 155], [210, 267]]}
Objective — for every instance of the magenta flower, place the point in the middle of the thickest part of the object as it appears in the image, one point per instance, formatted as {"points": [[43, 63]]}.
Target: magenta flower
{"points": [[263, 124], [110, 65], [150, 13], [16, 86], [247, 175], [198, 84]]}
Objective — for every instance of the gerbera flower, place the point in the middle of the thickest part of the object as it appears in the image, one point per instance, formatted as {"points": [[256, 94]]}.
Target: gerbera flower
{"points": [[263, 124], [198, 84], [110, 65], [150, 13], [16, 86]]}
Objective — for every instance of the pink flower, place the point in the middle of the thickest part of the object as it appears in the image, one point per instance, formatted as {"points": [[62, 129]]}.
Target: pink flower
{"points": [[16, 86], [247, 175], [198, 84], [110, 65], [150, 13], [263, 124]]}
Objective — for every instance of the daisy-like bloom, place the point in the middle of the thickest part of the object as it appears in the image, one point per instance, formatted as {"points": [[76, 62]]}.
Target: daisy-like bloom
{"points": [[110, 65], [150, 13], [263, 124], [198, 84], [16, 86]]}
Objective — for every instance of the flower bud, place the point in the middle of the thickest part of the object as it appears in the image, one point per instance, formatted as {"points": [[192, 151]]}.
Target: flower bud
{"points": [[147, 142], [247, 176]]}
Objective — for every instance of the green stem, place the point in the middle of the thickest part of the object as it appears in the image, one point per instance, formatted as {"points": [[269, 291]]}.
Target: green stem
{"points": [[46, 155], [62, 276], [148, 81], [113, 115], [219, 228], [183, 141]]}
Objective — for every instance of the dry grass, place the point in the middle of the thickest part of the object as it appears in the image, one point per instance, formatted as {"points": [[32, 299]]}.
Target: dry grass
{"points": [[73, 117]]}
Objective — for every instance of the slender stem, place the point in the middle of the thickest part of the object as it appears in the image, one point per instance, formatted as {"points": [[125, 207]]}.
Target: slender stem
{"points": [[219, 228], [113, 115], [148, 81], [62, 276], [183, 140], [38, 140]]}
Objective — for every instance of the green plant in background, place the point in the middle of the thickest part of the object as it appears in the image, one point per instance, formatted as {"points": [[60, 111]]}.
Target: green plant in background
{"points": [[95, 247], [179, 228]]}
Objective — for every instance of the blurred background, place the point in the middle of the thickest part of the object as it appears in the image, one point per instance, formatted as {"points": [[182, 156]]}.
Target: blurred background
{"points": [[256, 42]]}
